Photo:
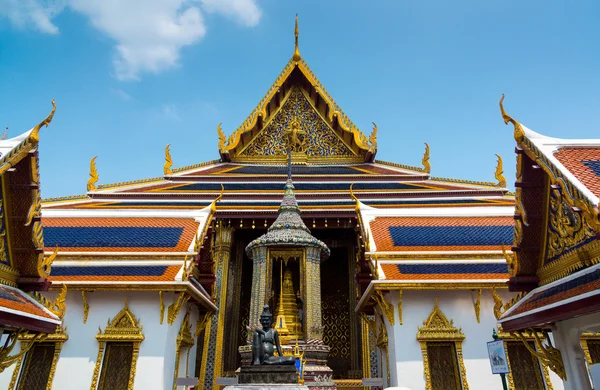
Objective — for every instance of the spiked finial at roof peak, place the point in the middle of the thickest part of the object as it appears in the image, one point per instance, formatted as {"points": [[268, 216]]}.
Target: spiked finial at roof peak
{"points": [[296, 56]]}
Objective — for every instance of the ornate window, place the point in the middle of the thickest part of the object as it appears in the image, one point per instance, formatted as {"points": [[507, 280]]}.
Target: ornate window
{"points": [[441, 345], [35, 371], [526, 372], [185, 342], [118, 352], [590, 342]]}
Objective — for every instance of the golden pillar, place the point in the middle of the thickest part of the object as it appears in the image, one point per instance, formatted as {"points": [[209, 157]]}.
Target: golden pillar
{"points": [[314, 327], [213, 368], [259, 285]]}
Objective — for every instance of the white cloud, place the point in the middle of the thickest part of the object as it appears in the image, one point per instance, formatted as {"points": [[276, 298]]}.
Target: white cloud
{"points": [[122, 94], [148, 34], [245, 12], [31, 13], [170, 111]]}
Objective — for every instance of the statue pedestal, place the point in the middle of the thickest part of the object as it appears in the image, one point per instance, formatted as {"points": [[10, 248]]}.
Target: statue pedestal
{"points": [[317, 375], [267, 386], [280, 374]]}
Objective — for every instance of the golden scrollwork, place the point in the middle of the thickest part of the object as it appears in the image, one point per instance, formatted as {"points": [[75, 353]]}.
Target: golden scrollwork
{"points": [[382, 343], [58, 307], [6, 359], [28, 340], [37, 234], [123, 328], [500, 307], [386, 307], [161, 306], [44, 265], [184, 340], [202, 322], [567, 228], [296, 56], [185, 271], [547, 355], [373, 139], [174, 308], [168, 161], [35, 209], [499, 173], [34, 136], [477, 306], [86, 306], [518, 133], [437, 328], [425, 160], [91, 184], [512, 260]]}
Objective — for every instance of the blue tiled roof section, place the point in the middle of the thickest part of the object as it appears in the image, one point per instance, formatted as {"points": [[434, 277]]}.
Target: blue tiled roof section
{"points": [[112, 237], [451, 235], [594, 166], [109, 271], [571, 284], [433, 269], [297, 170], [299, 186], [276, 202]]}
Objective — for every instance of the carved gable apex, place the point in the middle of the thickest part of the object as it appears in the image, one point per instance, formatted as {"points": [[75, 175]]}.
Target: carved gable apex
{"points": [[315, 139], [330, 135]]}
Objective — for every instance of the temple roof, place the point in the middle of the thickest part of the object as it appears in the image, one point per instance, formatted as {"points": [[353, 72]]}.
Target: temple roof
{"points": [[577, 159], [326, 134]]}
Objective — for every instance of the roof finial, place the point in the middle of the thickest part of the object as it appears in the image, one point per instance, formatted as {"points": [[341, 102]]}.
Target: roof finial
{"points": [[91, 184], [168, 161], [425, 161], [518, 132], [5, 134], [499, 173], [296, 56]]}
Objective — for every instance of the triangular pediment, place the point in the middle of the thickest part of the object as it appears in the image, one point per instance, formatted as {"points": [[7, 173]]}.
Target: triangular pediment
{"points": [[297, 96], [297, 118]]}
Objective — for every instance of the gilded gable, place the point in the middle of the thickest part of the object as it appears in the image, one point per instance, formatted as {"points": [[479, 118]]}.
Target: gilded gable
{"points": [[314, 137]]}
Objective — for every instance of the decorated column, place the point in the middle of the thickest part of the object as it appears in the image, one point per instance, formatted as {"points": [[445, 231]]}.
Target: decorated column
{"points": [[314, 327], [212, 363], [259, 282]]}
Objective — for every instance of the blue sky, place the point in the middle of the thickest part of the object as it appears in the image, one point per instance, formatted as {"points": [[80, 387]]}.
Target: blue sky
{"points": [[130, 78]]}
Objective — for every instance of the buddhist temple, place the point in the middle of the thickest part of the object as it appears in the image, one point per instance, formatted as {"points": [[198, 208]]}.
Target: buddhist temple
{"points": [[373, 270], [556, 250]]}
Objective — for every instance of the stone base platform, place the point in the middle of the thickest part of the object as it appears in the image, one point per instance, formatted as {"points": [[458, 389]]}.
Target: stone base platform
{"points": [[259, 374], [267, 386]]}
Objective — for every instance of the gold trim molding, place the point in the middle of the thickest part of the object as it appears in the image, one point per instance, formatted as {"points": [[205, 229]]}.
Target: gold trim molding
{"points": [[123, 328], [437, 328]]}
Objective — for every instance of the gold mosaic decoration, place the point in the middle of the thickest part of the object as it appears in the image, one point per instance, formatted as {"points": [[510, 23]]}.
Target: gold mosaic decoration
{"points": [[310, 133]]}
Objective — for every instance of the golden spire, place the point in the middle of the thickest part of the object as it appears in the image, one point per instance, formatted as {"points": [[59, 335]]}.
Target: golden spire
{"points": [[168, 162], [499, 173], [519, 133], [296, 56], [425, 161], [91, 184]]}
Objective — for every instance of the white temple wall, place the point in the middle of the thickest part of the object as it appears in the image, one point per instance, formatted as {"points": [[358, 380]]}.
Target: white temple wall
{"points": [[156, 360], [458, 306]]}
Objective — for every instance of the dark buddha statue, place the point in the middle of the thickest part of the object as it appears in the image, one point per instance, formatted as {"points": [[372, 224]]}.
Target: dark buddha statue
{"points": [[265, 341]]}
